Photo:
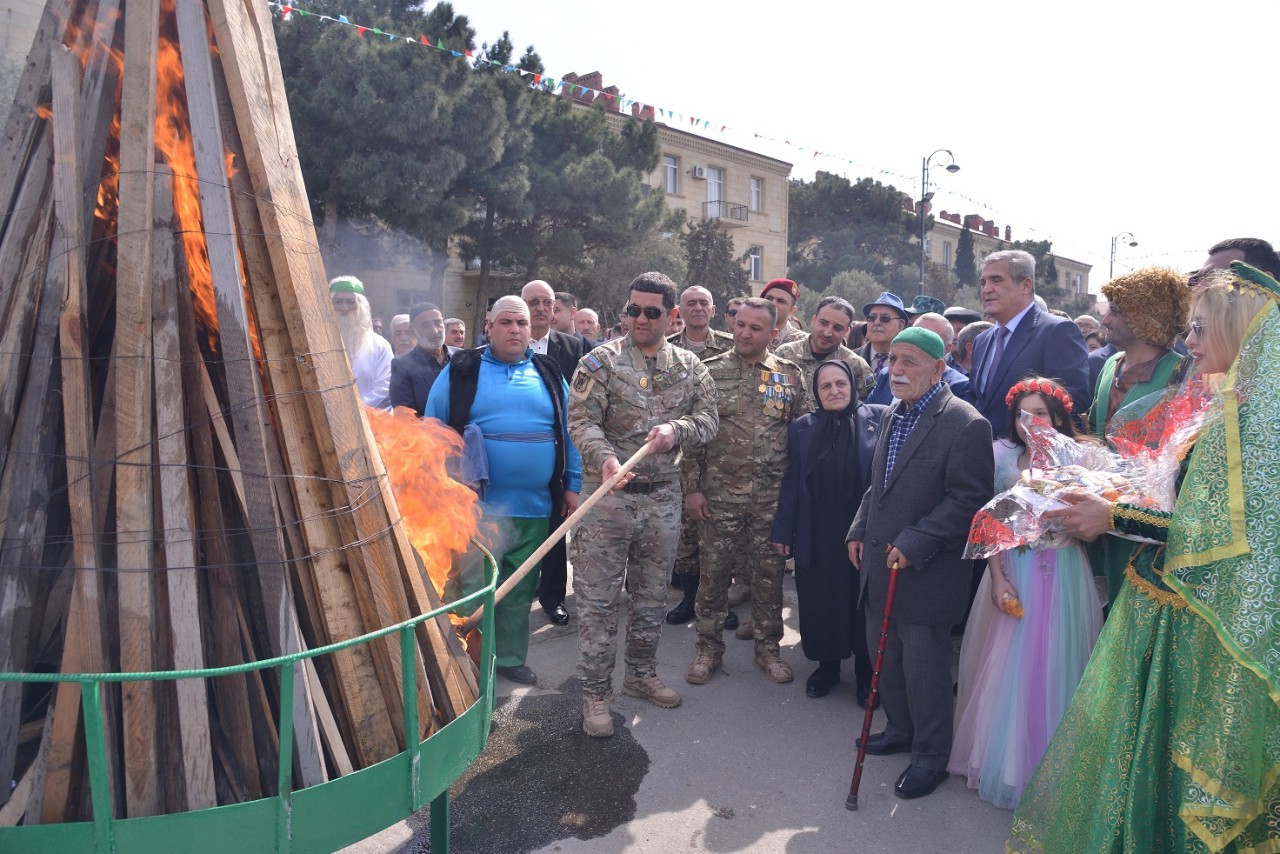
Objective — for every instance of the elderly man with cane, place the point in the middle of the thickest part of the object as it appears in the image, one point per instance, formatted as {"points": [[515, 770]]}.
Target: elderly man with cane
{"points": [[515, 402], [933, 469]]}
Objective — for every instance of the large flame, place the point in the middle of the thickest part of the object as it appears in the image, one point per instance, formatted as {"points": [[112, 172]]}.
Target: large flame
{"points": [[439, 514]]}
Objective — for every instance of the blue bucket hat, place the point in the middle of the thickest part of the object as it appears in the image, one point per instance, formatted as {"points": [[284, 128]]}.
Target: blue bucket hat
{"points": [[888, 300]]}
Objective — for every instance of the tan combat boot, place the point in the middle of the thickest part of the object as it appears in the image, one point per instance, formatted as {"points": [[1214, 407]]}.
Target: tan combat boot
{"points": [[774, 667], [702, 669], [596, 720], [650, 688]]}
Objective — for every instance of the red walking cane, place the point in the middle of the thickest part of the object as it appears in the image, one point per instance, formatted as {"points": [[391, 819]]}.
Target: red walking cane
{"points": [[851, 802]]}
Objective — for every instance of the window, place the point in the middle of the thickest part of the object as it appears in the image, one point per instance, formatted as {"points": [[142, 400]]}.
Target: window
{"points": [[406, 299], [671, 173], [757, 193], [946, 254], [755, 263], [715, 191]]}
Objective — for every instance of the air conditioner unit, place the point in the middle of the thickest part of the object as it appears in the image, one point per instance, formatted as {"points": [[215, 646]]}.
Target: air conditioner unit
{"points": [[699, 173]]}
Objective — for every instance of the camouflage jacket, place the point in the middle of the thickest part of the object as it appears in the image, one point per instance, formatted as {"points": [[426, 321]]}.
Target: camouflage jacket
{"points": [[618, 395], [746, 460], [789, 333], [802, 354], [717, 342]]}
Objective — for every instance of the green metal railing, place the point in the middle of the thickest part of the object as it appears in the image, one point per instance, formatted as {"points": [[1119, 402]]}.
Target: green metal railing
{"points": [[316, 819]]}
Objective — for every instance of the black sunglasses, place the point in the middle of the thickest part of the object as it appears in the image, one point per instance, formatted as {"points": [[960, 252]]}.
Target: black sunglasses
{"points": [[650, 311]]}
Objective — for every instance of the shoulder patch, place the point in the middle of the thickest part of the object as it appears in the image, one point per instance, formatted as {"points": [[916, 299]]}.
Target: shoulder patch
{"points": [[582, 383], [592, 363]]}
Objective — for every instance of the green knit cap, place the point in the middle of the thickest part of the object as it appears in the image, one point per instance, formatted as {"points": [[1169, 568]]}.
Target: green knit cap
{"points": [[346, 285], [925, 339]]}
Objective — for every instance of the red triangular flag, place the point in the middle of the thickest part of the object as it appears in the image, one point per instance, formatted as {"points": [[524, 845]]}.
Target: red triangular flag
{"points": [[423, 39], [360, 31]]}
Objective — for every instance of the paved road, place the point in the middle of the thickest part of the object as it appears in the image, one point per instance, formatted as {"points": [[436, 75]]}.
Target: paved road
{"points": [[742, 765]]}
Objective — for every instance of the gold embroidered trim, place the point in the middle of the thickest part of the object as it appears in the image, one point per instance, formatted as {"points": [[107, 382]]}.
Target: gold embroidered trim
{"points": [[1135, 515], [1153, 591]]}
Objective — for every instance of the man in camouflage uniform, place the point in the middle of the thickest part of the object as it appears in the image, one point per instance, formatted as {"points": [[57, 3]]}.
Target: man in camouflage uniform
{"points": [[697, 307], [826, 341], [784, 294], [627, 392], [731, 486]]}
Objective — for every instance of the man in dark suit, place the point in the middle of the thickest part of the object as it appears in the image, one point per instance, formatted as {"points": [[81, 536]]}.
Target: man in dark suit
{"points": [[566, 350], [414, 372], [1025, 341], [931, 472]]}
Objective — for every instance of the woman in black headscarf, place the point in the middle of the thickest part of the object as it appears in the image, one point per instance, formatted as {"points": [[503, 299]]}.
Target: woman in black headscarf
{"points": [[828, 472]]}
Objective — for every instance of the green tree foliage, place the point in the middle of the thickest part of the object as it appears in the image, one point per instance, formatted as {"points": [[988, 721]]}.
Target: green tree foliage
{"points": [[966, 267], [389, 130], [836, 225], [712, 263]]}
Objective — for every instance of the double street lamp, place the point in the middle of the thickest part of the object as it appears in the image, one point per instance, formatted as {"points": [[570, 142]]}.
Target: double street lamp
{"points": [[925, 196], [1124, 235]]}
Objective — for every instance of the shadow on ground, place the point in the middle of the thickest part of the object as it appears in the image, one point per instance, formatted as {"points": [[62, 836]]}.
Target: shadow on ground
{"points": [[540, 780]]}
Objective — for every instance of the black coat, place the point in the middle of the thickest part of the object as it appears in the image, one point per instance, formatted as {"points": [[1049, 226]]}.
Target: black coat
{"points": [[795, 502], [566, 349], [412, 375], [943, 475]]}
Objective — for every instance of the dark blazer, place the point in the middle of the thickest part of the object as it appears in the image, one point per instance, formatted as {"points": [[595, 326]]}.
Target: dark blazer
{"points": [[566, 349], [412, 375], [942, 477], [1097, 359], [1043, 344], [795, 503]]}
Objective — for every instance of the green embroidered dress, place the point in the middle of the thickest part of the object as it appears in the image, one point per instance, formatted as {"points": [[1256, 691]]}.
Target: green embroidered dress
{"points": [[1172, 742]]}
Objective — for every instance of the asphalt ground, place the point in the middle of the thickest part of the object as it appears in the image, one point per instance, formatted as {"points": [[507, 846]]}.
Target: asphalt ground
{"points": [[742, 764]]}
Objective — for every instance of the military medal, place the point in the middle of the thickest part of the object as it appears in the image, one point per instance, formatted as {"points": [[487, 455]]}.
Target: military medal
{"points": [[644, 382]]}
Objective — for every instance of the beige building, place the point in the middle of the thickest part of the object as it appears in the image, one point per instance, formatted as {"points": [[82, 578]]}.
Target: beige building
{"points": [[944, 238]]}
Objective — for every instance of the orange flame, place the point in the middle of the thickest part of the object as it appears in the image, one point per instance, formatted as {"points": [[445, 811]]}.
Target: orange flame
{"points": [[439, 514]]}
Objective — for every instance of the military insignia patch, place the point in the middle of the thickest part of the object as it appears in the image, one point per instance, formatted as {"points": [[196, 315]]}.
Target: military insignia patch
{"points": [[582, 383]]}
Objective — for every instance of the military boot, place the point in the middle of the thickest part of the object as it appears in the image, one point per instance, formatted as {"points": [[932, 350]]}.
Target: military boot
{"points": [[683, 612], [596, 720], [650, 688]]}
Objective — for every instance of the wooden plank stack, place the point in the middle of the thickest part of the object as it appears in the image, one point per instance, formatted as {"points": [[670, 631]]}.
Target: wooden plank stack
{"points": [[187, 477]]}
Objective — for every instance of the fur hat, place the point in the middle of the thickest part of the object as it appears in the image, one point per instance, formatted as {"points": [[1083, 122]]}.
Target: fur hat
{"points": [[1154, 301]]}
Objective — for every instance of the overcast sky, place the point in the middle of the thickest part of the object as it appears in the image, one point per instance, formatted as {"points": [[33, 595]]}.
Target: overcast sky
{"points": [[1071, 122]]}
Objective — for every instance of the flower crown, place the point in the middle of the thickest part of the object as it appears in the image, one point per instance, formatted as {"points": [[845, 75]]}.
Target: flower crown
{"points": [[1044, 387]]}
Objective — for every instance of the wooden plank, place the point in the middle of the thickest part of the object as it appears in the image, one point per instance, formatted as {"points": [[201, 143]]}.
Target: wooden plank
{"points": [[32, 782], [244, 391], [84, 642], [231, 693], [328, 724], [248, 55], [177, 513], [134, 413]]}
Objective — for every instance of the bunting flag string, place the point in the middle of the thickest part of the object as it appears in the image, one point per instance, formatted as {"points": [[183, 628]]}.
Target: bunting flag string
{"points": [[555, 86]]}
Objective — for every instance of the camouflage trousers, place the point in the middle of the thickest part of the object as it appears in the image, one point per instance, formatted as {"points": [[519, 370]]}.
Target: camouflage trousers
{"points": [[735, 541], [687, 552], [628, 537]]}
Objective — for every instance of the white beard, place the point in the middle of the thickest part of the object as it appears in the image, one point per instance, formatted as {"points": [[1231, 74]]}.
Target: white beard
{"points": [[356, 330]]}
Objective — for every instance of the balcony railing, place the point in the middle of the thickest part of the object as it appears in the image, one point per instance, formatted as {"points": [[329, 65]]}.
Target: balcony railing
{"points": [[728, 213]]}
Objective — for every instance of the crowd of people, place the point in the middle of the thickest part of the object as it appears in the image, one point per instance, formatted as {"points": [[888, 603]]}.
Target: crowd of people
{"points": [[1118, 682]]}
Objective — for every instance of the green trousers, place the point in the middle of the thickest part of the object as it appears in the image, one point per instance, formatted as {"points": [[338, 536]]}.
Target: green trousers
{"points": [[518, 539]]}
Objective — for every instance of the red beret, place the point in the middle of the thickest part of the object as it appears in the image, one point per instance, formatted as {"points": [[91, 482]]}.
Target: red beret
{"points": [[786, 285]]}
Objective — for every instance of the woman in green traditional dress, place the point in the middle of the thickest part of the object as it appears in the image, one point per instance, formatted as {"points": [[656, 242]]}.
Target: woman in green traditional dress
{"points": [[1172, 742]]}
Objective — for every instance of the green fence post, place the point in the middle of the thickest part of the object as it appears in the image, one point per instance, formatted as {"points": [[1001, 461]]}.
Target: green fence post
{"points": [[96, 752], [284, 778], [412, 744]]}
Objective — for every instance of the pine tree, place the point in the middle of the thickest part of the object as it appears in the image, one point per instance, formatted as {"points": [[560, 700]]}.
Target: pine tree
{"points": [[712, 263], [966, 268]]}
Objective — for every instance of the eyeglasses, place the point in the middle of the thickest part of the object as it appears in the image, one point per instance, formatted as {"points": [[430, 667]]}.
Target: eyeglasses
{"points": [[882, 318], [547, 302], [732, 312], [650, 311], [1197, 326]]}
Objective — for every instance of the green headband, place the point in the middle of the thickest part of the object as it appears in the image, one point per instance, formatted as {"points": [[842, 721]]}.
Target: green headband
{"points": [[346, 285], [925, 339]]}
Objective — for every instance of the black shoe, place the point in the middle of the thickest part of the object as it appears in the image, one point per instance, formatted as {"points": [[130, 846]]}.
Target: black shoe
{"points": [[681, 613], [557, 615], [821, 682], [677, 580], [864, 696], [916, 782], [521, 674], [880, 744], [731, 621]]}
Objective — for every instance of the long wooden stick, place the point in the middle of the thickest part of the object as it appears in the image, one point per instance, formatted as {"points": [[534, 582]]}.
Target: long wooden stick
{"points": [[565, 526]]}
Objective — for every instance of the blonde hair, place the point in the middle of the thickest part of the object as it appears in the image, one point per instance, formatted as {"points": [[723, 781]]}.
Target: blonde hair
{"points": [[1226, 305]]}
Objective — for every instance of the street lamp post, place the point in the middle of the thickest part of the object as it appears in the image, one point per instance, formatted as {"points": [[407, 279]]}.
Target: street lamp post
{"points": [[925, 196], [1124, 235]]}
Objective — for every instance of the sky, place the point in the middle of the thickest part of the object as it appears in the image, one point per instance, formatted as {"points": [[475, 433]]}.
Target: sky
{"points": [[1071, 122]]}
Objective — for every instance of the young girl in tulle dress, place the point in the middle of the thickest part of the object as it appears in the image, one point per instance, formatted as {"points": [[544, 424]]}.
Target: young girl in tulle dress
{"points": [[1017, 673]]}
